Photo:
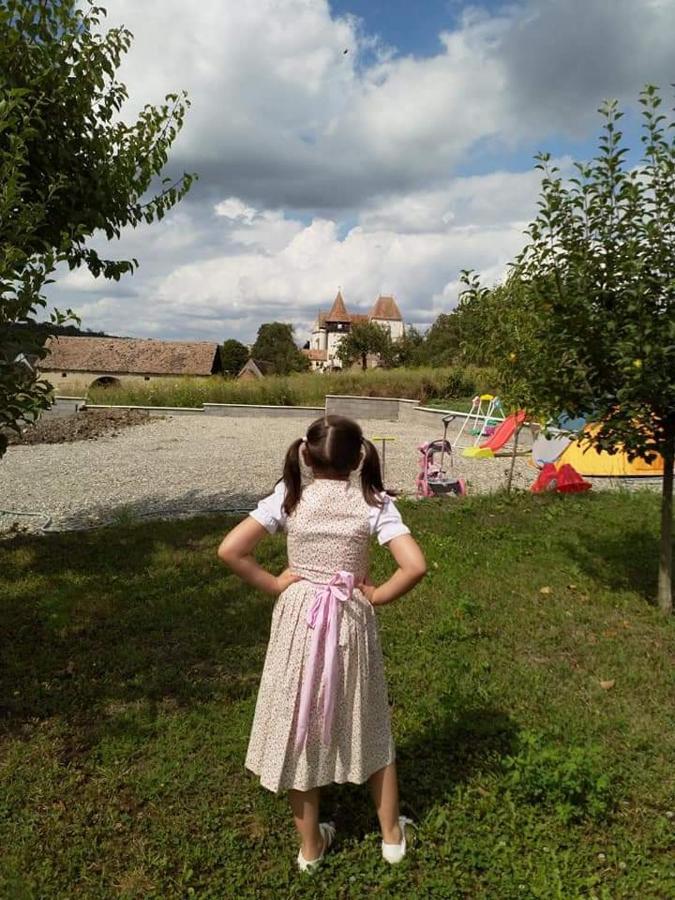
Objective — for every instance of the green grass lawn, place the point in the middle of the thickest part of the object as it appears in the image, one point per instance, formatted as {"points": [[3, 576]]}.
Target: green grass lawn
{"points": [[130, 661]]}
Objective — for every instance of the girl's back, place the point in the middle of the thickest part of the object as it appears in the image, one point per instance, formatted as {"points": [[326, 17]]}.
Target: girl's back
{"points": [[330, 528]]}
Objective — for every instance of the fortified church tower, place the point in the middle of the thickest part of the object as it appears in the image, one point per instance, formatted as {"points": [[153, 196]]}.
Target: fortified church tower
{"points": [[330, 327]]}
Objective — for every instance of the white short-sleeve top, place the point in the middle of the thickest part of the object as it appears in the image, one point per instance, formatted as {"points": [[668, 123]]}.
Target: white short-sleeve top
{"points": [[384, 521]]}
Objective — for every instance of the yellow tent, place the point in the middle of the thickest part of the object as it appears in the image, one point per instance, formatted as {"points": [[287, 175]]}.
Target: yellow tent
{"points": [[587, 461]]}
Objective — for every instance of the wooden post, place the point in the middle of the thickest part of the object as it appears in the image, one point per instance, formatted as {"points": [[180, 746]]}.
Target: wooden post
{"points": [[509, 480], [665, 589], [383, 454]]}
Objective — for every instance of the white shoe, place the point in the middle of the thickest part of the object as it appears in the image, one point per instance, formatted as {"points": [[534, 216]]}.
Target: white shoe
{"points": [[327, 830], [394, 853]]}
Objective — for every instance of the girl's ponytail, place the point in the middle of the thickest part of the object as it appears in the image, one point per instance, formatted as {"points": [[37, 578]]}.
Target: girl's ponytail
{"points": [[291, 476], [371, 474]]}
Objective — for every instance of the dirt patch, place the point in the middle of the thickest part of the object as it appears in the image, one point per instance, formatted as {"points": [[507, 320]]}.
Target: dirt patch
{"points": [[82, 426]]}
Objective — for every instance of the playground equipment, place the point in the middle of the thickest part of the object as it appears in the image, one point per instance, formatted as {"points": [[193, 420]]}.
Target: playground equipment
{"points": [[564, 447], [493, 408], [591, 463], [551, 443], [477, 414], [496, 441], [432, 478], [547, 448], [565, 480], [472, 414]]}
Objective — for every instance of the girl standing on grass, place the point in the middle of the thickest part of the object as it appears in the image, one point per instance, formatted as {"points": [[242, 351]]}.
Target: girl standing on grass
{"points": [[322, 713]]}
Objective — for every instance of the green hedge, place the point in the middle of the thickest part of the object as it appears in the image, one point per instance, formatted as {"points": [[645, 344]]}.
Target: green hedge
{"points": [[306, 389]]}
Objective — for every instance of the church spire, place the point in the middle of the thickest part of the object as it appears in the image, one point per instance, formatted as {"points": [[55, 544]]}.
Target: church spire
{"points": [[338, 311]]}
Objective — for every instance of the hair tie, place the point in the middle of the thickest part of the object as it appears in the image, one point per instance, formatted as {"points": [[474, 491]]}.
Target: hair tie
{"points": [[303, 440]]}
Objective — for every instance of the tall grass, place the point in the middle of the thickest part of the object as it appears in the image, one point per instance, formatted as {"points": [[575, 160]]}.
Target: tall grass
{"points": [[305, 389]]}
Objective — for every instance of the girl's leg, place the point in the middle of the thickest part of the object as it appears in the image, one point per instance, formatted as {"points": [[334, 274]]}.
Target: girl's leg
{"points": [[384, 789], [305, 806]]}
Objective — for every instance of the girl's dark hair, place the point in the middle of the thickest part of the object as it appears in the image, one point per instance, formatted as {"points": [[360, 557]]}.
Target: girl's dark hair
{"points": [[333, 446]]}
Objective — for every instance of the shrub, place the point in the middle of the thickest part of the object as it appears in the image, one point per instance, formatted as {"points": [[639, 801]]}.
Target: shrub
{"points": [[569, 779], [459, 383]]}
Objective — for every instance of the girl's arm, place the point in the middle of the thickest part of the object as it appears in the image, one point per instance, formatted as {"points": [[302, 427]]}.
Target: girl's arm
{"points": [[412, 568], [236, 552]]}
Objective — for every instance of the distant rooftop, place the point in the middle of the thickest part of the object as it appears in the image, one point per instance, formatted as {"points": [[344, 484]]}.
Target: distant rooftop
{"points": [[384, 308], [131, 356], [338, 311]]}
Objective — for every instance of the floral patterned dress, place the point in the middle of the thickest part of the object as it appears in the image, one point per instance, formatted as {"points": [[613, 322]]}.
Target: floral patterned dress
{"points": [[328, 532]]}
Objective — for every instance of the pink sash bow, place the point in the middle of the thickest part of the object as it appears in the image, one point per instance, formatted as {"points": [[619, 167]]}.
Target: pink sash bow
{"points": [[324, 619]]}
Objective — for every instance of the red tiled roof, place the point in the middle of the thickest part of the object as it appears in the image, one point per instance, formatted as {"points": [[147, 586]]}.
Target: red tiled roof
{"points": [[353, 317], [338, 311], [317, 355], [131, 356], [385, 308]]}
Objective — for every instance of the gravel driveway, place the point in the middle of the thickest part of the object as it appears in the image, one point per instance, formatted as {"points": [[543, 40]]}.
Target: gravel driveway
{"points": [[190, 464]]}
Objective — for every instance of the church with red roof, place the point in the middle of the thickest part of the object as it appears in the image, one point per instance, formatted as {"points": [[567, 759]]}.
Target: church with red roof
{"points": [[330, 327]]}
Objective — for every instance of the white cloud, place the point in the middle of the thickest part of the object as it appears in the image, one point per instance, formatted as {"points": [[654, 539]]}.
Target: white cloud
{"points": [[233, 208], [319, 168], [264, 266], [284, 117], [269, 231], [479, 200]]}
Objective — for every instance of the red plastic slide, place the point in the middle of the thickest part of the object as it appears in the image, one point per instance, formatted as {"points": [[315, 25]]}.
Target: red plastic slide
{"points": [[505, 431]]}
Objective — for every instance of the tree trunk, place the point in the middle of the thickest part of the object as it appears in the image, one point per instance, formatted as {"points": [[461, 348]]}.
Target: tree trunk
{"points": [[665, 591], [364, 361], [509, 480]]}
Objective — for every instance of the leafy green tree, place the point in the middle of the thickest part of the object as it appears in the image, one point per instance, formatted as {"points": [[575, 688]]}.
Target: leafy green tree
{"points": [[505, 319], [460, 336], [69, 166], [275, 344], [364, 339], [441, 344], [474, 321], [510, 325], [408, 350], [599, 277], [233, 355]]}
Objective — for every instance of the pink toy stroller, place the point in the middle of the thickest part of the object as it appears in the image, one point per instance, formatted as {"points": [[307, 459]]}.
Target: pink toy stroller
{"points": [[432, 478]]}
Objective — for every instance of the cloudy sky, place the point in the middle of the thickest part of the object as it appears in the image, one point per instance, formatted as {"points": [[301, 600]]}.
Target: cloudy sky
{"points": [[387, 168]]}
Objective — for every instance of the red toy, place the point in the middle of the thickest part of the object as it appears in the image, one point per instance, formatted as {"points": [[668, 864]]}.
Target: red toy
{"points": [[566, 480]]}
